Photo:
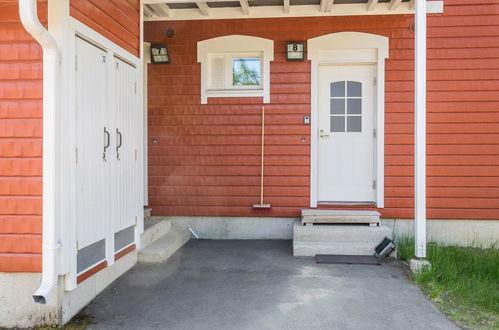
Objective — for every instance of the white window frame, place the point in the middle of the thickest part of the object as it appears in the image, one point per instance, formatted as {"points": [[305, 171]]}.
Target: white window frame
{"points": [[230, 47], [229, 70], [346, 48]]}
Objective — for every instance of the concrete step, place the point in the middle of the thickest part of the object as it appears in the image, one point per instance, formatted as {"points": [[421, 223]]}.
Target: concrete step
{"points": [[161, 249], [340, 233], [153, 230], [310, 249], [310, 217]]}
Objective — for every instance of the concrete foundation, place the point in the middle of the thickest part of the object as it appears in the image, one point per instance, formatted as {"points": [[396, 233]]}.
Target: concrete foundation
{"points": [[237, 227], [479, 233], [482, 233], [17, 308]]}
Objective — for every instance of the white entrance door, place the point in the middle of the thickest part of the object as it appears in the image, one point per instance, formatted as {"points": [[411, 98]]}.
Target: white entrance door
{"points": [[346, 134]]}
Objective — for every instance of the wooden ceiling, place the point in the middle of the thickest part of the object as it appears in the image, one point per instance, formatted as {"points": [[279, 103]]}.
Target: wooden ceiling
{"points": [[220, 9]]}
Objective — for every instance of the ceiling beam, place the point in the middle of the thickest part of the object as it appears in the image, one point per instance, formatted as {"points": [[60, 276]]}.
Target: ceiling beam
{"points": [[323, 6], [329, 7], [326, 6], [203, 7], [163, 9], [244, 6], [371, 4], [394, 4], [148, 12], [286, 6]]}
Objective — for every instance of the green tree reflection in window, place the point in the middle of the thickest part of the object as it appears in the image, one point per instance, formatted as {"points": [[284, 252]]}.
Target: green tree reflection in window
{"points": [[246, 71]]}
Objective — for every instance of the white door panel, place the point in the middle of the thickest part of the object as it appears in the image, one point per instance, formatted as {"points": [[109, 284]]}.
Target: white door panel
{"points": [[91, 168], [125, 131], [346, 141]]}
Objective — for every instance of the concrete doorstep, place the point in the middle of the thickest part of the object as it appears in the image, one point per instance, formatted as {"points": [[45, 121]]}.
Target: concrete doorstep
{"points": [[161, 240]]}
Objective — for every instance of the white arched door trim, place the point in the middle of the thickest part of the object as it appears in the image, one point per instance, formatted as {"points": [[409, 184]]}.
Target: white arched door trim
{"points": [[349, 48]]}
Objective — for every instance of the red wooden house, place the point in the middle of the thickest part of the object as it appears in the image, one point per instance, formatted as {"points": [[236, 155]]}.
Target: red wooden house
{"points": [[234, 119]]}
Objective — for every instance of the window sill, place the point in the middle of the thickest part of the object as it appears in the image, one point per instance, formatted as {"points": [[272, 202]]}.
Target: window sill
{"points": [[235, 93]]}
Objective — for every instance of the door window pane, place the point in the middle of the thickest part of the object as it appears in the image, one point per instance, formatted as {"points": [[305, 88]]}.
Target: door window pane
{"points": [[354, 124], [354, 89], [338, 106], [246, 71], [338, 89], [337, 123], [354, 106]]}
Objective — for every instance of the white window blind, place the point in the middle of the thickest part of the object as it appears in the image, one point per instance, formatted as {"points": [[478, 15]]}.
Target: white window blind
{"points": [[216, 72]]}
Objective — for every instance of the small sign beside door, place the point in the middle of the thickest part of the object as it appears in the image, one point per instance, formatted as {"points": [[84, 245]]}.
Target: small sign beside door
{"points": [[295, 51]]}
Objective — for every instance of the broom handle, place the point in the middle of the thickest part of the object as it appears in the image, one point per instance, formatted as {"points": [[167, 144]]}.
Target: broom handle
{"points": [[263, 153]]}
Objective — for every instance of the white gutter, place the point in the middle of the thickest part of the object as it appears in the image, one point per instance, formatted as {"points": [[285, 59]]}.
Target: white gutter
{"points": [[51, 57], [420, 130]]}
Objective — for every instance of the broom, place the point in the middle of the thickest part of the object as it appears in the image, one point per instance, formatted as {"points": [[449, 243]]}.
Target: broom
{"points": [[262, 205]]}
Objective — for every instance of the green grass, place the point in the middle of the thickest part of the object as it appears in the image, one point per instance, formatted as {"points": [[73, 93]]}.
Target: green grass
{"points": [[463, 282]]}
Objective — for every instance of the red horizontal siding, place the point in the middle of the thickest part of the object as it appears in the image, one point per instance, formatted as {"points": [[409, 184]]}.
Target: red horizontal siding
{"points": [[20, 142], [206, 160], [119, 21]]}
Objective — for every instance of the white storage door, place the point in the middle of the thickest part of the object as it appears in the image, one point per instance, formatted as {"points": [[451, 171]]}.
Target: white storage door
{"points": [[127, 120], [91, 137], [108, 142]]}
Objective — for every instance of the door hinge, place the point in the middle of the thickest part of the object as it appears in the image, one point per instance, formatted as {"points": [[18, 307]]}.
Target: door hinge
{"points": [[374, 133], [103, 58], [76, 155], [374, 184], [135, 87], [375, 81], [116, 65], [135, 154], [76, 63]]}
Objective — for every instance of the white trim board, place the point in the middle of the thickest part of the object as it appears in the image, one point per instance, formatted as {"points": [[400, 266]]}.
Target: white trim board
{"points": [[356, 9], [348, 48]]}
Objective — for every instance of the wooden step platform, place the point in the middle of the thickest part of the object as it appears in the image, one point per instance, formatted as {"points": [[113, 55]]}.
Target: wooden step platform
{"points": [[313, 217]]}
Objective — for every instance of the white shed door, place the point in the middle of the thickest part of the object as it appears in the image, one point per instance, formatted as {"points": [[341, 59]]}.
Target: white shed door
{"points": [[92, 169], [108, 142], [126, 129], [346, 133]]}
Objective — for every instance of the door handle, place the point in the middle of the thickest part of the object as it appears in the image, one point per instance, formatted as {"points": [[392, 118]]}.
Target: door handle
{"points": [[118, 146], [324, 136], [107, 141]]}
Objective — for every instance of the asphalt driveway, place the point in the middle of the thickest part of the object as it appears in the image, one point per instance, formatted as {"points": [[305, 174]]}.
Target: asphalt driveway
{"points": [[260, 285]]}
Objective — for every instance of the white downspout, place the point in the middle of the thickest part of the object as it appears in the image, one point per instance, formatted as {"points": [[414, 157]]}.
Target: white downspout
{"points": [[51, 57], [420, 130]]}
